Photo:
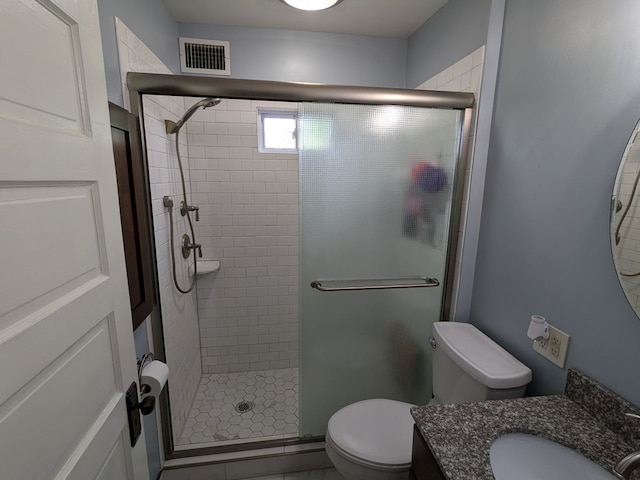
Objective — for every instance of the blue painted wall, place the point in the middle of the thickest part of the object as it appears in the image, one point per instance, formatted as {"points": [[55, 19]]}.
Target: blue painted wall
{"points": [[456, 30], [567, 99], [290, 55], [151, 22]]}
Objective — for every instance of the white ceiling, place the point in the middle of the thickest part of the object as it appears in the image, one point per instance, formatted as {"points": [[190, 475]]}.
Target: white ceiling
{"points": [[380, 18]]}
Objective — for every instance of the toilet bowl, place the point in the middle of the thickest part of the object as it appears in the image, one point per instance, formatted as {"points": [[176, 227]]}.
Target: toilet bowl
{"points": [[372, 439], [366, 440]]}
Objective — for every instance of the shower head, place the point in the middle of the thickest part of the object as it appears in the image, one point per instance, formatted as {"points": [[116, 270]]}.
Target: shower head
{"points": [[174, 127]]}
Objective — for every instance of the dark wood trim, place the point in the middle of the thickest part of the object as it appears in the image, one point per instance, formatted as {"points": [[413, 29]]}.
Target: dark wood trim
{"points": [[134, 210]]}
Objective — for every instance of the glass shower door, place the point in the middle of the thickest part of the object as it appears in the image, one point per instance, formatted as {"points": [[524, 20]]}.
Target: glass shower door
{"points": [[375, 197]]}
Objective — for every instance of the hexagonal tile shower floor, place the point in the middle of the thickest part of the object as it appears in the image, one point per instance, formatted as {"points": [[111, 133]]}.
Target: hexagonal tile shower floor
{"points": [[247, 405]]}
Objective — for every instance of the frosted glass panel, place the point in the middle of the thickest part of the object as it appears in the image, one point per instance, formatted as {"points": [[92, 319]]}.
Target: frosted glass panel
{"points": [[375, 191]]}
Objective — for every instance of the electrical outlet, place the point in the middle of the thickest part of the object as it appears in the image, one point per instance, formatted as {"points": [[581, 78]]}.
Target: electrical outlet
{"points": [[553, 348], [554, 345]]}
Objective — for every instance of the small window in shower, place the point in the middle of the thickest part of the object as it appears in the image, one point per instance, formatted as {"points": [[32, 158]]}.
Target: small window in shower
{"points": [[277, 131]]}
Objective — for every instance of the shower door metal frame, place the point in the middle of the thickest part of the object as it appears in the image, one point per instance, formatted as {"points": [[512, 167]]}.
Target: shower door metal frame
{"points": [[140, 84]]}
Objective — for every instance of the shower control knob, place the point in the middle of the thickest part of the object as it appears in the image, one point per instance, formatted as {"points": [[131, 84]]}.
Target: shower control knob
{"points": [[187, 246], [184, 208]]}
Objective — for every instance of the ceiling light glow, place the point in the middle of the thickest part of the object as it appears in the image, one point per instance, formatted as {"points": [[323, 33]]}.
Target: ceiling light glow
{"points": [[311, 4]]}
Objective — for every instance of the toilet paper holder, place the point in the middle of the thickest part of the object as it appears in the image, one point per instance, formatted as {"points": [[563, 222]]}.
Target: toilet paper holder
{"points": [[146, 358], [148, 403], [145, 406], [134, 409]]}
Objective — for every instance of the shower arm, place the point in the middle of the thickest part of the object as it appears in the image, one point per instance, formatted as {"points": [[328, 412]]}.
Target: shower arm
{"points": [[174, 127]]}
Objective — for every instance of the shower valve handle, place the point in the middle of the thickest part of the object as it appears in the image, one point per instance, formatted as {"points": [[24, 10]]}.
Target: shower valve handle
{"points": [[184, 208], [197, 247], [187, 246]]}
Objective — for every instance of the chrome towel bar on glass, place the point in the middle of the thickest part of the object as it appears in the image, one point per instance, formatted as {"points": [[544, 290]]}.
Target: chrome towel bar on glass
{"points": [[415, 282]]}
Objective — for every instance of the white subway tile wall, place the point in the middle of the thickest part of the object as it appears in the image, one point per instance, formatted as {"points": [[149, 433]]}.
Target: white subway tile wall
{"points": [[627, 252], [179, 312], [463, 76], [249, 221]]}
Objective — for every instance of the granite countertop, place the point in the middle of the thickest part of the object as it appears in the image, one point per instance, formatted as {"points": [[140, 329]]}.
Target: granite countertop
{"points": [[587, 418]]}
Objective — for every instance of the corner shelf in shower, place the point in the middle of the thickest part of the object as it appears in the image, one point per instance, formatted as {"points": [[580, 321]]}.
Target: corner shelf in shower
{"points": [[205, 266]]}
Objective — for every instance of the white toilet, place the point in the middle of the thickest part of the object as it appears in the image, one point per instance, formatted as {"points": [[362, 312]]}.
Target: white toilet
{"points": [[371, 439]]}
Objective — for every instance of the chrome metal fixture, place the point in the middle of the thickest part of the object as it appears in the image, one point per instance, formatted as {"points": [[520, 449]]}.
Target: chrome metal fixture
{"points": [[187, 246], [135, 407], [376, 284], [184, 208], [146, 358], [311, 5], [167, 201], [631, 462], [172, 127]]}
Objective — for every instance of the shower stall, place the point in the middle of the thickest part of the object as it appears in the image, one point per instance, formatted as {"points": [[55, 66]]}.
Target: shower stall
{"points": [[319, 265]]}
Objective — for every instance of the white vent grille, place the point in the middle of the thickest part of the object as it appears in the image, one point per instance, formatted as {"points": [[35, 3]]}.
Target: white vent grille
{"points": [[204, 56]]}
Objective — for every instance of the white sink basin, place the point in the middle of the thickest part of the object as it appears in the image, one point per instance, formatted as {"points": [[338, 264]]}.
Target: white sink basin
{"points": [[518, 456]]}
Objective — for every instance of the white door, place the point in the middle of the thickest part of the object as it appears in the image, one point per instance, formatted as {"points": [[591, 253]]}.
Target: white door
{"points": [[66, 343]]}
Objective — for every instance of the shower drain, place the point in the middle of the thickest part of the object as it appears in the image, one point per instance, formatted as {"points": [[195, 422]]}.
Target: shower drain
{"points": [[244, 406]]}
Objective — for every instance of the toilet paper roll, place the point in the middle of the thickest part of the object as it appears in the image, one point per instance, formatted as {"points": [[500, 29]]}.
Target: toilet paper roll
{"points": [[155, 375]]}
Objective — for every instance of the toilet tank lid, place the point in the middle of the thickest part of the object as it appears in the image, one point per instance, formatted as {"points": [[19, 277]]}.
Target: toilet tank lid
{"points": [[479, 356]]}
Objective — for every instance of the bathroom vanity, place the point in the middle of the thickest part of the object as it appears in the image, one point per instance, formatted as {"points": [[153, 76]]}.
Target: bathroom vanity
{"points": [[423, 463], [453, 442]]}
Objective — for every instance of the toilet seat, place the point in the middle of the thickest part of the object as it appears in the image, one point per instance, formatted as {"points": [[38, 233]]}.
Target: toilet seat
{"points": [[374, 433]]}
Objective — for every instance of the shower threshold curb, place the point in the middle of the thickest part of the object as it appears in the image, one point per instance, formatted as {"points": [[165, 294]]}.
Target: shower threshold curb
{"points": [[265, 461]]}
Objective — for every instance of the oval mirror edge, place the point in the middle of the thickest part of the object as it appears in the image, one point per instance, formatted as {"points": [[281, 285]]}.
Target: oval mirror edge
{"points": [[619, 215]]}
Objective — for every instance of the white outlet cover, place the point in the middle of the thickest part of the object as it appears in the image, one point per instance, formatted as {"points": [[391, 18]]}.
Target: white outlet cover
{"points": [[544, 348]]}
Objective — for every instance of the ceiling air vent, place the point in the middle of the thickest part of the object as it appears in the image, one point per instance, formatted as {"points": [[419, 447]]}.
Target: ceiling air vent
{"points": [[204, 56]]}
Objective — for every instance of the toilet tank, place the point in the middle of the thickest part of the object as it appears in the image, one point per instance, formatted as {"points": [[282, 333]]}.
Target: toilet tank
{"points": [[469, 367]]}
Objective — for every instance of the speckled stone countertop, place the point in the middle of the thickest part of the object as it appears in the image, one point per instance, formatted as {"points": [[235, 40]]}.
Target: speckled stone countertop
{"points": [[587, 418]]}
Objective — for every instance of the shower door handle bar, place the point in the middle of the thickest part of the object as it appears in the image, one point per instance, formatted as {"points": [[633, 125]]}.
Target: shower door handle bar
{"points": [[417, 282]]}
